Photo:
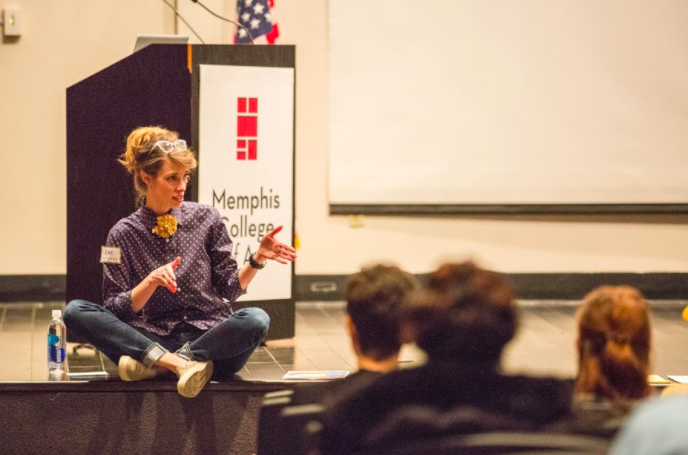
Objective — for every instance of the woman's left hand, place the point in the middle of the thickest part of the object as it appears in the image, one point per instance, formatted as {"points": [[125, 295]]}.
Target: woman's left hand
{"points": [[271, 248]]}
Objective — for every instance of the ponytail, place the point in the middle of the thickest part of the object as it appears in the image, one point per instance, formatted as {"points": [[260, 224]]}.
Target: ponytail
{"points": [[613, 343]]}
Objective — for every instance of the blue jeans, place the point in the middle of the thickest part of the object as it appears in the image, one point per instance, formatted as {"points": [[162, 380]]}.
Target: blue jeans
{"points": [[228, 345]]}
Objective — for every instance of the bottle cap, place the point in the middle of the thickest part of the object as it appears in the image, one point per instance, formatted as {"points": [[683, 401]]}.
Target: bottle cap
{"points": [[57, 313]]}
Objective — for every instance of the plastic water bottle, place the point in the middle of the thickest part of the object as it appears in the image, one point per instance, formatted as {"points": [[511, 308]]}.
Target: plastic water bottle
{"points": [[57, 348]]}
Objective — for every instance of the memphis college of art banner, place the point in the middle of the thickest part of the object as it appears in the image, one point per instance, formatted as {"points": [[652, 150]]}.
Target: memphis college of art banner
{"points": [[246, 147]]}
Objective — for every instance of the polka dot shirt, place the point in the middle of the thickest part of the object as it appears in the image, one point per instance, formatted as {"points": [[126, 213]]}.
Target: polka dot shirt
{"points": [[206, 275]]}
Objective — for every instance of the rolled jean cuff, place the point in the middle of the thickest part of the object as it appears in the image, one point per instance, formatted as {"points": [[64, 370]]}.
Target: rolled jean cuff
{"points": [[153, 354], [185, 351]]}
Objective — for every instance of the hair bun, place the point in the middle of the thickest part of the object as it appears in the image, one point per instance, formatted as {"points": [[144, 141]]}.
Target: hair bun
{"points": [[141, 156], [138, 143]]}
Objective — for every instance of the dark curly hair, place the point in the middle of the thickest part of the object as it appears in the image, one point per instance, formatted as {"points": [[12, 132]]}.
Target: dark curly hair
{"points": [[466, 313]]}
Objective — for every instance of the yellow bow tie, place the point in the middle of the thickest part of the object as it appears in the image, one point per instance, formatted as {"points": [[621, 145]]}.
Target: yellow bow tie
{"points": [[167, 226]]}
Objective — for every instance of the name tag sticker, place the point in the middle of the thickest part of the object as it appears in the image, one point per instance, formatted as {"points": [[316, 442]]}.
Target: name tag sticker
{"points": [[110, 255]]}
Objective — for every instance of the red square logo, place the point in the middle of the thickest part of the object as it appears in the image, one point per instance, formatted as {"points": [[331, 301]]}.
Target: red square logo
{"points": [[247, 126]]}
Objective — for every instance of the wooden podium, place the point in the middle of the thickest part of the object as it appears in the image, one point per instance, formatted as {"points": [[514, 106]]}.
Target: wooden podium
{"points": [[158, 85]]}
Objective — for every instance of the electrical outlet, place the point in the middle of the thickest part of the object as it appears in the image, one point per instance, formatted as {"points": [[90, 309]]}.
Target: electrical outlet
{"points": [[12, 21], [356, 221]]}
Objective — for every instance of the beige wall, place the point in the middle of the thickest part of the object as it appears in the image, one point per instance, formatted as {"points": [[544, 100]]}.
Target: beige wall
{"points": [[57, 51], [62, 43], [513, 244]]}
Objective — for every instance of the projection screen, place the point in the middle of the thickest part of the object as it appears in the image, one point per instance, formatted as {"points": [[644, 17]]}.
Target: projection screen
{"points": [[508, 105]]}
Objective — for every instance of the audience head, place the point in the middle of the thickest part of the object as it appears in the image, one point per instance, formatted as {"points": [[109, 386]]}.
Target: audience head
{"points": [[613, 343], [466, 313], [142, 154], [375, 296]]}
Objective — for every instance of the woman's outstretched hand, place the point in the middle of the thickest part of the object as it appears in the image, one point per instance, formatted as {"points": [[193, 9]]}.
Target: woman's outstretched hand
{"points": [[164, 276], [271, 248]]}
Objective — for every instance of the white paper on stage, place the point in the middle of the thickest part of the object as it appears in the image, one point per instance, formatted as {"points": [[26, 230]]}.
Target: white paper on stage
{"points": [[246, 144], [508, 102]]}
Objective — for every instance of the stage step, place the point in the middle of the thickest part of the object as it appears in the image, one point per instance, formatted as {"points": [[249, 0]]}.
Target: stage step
{"points": [[148, 417]]}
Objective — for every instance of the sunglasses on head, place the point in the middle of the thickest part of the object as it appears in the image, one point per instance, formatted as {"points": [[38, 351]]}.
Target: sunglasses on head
{"points": [[168, 146]]}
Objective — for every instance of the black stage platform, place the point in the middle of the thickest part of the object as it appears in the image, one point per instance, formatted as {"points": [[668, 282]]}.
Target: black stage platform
{"points": [[98, 413]]}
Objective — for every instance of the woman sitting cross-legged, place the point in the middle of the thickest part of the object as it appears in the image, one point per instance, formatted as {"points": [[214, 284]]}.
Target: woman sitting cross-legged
{"points": [[169, 278]]}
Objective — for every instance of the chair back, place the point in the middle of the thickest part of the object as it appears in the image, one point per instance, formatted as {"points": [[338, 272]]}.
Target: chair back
{"points": [[502, 443], [269, 422], [302, 427]]}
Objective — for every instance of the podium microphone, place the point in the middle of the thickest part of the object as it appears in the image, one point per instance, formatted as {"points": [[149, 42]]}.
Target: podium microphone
{"points": [[184, 20], [250, 38]]}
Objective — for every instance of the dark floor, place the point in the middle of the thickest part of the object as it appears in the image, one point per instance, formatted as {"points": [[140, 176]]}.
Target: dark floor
{"points": [[544, 345]]}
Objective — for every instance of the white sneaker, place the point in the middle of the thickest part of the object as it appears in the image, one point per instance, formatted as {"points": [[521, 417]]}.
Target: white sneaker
{"points": [[133, 370], [193, 376]]}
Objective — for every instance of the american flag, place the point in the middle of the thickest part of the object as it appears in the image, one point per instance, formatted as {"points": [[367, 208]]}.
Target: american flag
{"points": [[258, 16]]}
